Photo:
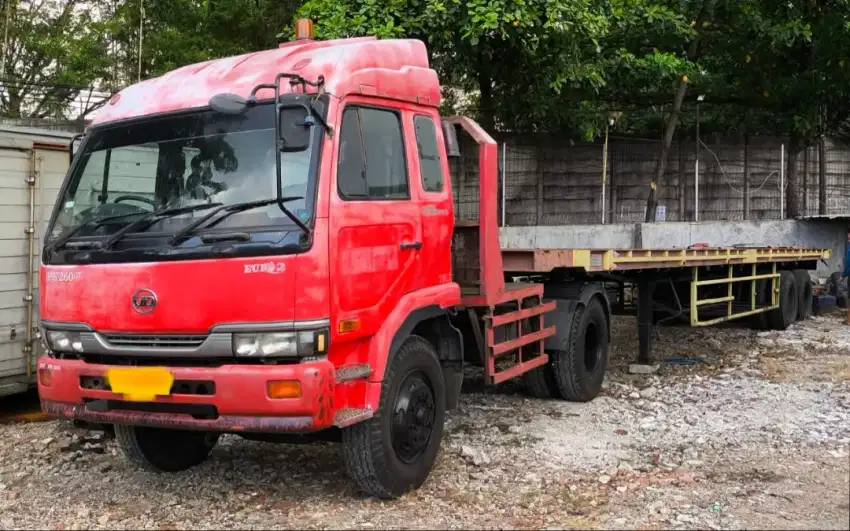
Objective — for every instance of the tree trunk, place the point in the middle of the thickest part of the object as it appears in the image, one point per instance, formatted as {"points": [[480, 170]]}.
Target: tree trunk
{"points": [[486, 113], [486, 116], [673, 120], [670, 130]]}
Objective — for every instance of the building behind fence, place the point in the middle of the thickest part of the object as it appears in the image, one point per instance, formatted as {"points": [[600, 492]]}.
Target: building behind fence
{"points": [[550, 181]]}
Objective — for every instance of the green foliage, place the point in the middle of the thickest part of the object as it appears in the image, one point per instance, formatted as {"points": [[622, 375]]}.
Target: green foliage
{"points": [[517, 65], [181, 32], [53, 48], [554, 65]]}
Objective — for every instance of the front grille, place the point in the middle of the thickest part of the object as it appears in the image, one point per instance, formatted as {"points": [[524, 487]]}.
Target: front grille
{"points": [[187, 342]]}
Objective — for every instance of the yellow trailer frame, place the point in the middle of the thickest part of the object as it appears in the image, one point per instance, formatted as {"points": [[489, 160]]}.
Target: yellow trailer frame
{"points": [[730, 280]]}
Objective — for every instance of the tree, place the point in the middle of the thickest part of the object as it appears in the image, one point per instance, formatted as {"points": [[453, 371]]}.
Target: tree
{"points": [[786, 63], [180, 32], [54, 50], [510, 54]]}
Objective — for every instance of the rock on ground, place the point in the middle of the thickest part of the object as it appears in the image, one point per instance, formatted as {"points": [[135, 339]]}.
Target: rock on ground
{"points": [[758, 439]]}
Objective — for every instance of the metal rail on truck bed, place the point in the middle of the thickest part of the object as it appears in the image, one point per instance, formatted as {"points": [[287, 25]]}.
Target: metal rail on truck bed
{"points": [[606, 260]]}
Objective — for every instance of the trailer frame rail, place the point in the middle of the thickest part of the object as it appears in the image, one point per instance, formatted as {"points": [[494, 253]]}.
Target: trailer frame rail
{"points": [[730, 280]]}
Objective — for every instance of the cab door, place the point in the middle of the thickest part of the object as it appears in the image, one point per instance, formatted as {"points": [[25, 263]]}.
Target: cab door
{"points": [[435, 200], [375, 226]]}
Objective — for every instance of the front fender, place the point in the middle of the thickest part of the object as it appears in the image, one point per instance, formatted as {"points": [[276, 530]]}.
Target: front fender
{"points": [[411, 309]]}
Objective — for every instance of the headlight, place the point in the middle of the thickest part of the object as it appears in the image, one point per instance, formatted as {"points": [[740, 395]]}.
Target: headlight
{"points": [[59, 341], [280, 344]]}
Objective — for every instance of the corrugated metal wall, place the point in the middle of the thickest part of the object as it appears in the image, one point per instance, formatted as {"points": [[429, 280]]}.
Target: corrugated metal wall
{"points": [[22, 156]]}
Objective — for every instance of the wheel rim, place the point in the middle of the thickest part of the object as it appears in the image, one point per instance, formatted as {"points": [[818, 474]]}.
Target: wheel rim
{"points": [[413, 417], [591, 348]]}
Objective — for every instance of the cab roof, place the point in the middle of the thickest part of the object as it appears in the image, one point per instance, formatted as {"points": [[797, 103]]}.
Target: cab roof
{"points": [[393, 68]]}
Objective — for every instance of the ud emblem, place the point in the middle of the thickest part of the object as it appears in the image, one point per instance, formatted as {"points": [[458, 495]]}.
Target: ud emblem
{"points": [[144, 301]]}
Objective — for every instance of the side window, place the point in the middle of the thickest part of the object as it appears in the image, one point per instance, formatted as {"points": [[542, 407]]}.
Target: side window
{"points": [[371, 155], [429, 154]]}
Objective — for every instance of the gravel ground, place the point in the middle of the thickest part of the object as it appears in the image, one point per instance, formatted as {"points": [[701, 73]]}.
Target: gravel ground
{"points": [[759, 438]]}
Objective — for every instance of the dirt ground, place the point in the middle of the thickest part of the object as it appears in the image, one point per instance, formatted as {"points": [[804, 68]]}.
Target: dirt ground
{"points": [[757, 437]]}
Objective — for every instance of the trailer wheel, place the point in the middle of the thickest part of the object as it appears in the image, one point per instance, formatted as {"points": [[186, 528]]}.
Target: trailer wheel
{"points": [[580, 370], [759, 321], [393, 452], [164, 450], [804, 294], [782, 317]]}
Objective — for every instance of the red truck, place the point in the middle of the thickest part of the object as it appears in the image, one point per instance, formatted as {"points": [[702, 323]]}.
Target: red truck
{"points": [[267, 245]]}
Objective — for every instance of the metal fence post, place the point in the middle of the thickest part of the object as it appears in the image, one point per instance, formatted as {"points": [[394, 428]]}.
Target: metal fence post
{"points": [[782, 181]]}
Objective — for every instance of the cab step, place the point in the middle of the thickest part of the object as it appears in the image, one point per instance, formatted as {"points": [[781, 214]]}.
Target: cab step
{"points": [[348, 416]]}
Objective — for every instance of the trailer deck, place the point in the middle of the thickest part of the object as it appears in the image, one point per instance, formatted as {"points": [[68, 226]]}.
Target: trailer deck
{"points": [[611, 260]]}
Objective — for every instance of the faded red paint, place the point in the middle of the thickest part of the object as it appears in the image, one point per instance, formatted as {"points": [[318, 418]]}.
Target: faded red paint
{"points": [[396, 69], [224, 423], [240, 392]]}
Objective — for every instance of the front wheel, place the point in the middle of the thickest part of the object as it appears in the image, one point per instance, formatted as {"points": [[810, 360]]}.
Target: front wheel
{"points": [[164, 450], [393, 452]]}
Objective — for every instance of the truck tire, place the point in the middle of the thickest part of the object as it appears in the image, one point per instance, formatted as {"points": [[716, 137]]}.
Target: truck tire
{"points": [[804, 294], [579, 371], [393, 452], [540, 382], [782, 317], [835, 286], [164, 450], [759, 321]]}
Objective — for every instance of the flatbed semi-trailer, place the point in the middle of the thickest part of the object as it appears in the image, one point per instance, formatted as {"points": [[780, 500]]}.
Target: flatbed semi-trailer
{"points": [[289, 260]]}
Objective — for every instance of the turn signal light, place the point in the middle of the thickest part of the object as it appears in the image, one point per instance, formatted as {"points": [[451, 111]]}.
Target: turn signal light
{"points": [[303, 29], [349, 325], [283, 389], [45, 377]]}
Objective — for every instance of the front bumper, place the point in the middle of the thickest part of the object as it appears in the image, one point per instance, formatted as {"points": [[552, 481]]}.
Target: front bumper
{"points": [[239, 402]]}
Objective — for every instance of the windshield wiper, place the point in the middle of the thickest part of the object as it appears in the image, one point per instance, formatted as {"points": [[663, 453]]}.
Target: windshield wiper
{"points": [[152, 217], [240, 207], [94, 223]]}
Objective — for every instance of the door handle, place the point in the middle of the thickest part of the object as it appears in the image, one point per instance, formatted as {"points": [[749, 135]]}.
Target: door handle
{"points": [[412, 245]]}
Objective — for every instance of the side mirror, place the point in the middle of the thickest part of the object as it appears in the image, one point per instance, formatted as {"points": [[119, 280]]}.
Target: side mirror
{"points": [[450, 137], [296, 125]]}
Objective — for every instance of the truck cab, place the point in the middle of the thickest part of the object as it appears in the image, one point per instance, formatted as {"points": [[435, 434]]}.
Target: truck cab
{"points": [[261, 245]]}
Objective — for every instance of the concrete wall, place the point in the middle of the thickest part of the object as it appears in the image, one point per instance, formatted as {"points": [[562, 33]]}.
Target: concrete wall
{"points": [[825, 234]]}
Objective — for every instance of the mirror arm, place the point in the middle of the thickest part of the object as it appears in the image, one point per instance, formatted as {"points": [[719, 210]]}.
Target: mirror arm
{"points": [[318, 116], [71, 146], [278, 142]]}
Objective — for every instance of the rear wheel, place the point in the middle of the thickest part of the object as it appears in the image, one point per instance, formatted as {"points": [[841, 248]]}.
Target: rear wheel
{"points": [[781, 318], [804, 294], [393, 452], [164, 450], [540, 382], [759, 321], [580, 370]]}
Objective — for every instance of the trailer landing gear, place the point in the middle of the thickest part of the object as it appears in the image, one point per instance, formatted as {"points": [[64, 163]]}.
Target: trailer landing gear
{"points": [[646, 292]]}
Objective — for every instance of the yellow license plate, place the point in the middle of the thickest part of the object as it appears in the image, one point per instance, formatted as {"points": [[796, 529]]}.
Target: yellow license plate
{"points": [[140, 384]]}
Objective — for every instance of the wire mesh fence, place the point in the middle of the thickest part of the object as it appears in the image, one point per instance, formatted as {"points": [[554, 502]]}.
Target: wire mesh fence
{"points": [[546, 180]]}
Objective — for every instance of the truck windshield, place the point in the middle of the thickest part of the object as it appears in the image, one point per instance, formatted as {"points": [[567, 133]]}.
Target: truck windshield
{"points": [[183, 160]]}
